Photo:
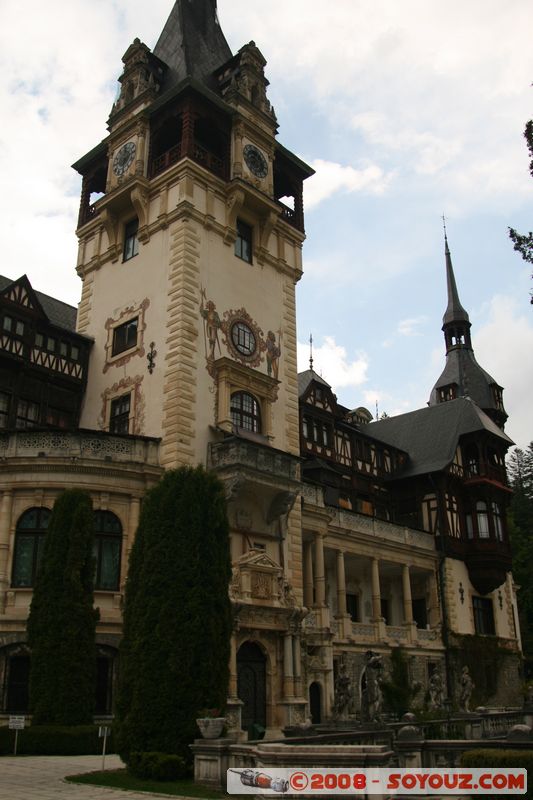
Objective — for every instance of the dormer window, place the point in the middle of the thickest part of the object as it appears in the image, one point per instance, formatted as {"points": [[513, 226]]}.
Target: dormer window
{"points": [[447, 393]]}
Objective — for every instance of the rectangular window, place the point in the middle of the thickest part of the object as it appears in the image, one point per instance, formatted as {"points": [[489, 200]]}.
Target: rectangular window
{"points": [[58, 418], [131, 242], [385, 610], [27, 414], [352, 607], [119, 418], [483, 616], [124, 336], [420, 612], [243, 242], [4, 409]]}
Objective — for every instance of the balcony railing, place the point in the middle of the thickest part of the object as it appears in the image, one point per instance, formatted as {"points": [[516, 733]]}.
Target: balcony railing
{"points": [[198, 153]]}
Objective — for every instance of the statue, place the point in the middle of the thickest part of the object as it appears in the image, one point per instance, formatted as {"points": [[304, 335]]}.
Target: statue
{"points": [[467, 687], [371, 694], [436, 691], [343, 694]]}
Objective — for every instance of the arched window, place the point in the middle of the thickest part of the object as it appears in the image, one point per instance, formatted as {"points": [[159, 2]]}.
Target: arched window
{"points": [[29, 541], [106, 550], [245, 412], [482, 520]]}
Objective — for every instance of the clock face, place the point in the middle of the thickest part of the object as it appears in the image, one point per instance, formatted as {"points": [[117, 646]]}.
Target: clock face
{"points": [[255, 161], [123, 158]]}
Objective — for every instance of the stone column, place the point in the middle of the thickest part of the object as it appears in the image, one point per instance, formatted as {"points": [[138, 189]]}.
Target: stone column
{"points": [[288, 671], [341, 585], [5, 527], [434, 609], [308, 574], [297, 665], [233, 667], [376, 590], [320, 574], [407, 598]]}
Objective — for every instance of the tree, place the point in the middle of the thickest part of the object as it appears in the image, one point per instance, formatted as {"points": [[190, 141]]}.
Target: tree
{"points": [[398, 692], [62, 620], [177, 616], [520, 472], [523, 243]]}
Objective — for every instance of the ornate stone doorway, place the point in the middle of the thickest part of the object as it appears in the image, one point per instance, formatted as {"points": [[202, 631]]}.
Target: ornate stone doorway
{"points": [[251, 688]]}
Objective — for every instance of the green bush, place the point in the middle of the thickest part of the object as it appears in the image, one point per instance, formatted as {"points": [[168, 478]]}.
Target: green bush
{"points": [[157, 766], [53, 740], [501, 759]]}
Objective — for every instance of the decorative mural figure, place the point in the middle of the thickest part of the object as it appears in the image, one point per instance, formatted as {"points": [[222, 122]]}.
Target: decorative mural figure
{"points": [[240, 335], [211, 325], [343, 694], [372, 697], [467, 687], [436, 691], [273, 352]]}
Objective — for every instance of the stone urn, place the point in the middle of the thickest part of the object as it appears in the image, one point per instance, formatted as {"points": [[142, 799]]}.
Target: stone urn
{"points": [[211, 727]]}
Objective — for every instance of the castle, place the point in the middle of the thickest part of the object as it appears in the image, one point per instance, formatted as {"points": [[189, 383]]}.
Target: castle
{"points": [[348, 536]]}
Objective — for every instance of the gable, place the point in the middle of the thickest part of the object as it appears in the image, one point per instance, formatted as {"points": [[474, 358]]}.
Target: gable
{"points": [[20, 293]]}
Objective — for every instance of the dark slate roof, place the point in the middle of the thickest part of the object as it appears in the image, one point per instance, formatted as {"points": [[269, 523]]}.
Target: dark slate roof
{"points": [[61, 314], [455, 311], [430, 435], [305, 378], [471, 379], [192, 43]]}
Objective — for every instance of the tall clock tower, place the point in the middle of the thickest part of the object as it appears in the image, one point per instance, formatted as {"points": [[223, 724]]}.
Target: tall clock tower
{"points": [[190, 246]]}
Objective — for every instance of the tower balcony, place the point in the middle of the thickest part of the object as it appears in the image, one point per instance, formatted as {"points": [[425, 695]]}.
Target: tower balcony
{"points": [[243, 464], [197, 152]]}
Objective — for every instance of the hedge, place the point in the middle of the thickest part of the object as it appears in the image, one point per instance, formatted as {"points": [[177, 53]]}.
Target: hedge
{"points": [[53, 740], [157, 766], [501, 759]]}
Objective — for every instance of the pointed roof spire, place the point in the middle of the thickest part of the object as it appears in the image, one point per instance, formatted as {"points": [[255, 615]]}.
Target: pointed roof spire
{"points": [[192, 43], [455, 311]]}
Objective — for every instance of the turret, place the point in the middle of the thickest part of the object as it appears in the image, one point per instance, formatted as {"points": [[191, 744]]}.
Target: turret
{"points": [[463, 376]]}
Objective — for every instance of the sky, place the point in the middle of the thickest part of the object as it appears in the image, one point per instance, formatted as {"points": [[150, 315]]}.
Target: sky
{"points": [[407, 111]]}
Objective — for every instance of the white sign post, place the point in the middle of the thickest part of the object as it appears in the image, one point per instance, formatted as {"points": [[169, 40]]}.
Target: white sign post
{"points": [[16, 724], [103, 731]]}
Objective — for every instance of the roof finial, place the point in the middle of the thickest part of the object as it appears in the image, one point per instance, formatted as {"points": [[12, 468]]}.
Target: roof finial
{"points": [[445, 233], [311, 352]]}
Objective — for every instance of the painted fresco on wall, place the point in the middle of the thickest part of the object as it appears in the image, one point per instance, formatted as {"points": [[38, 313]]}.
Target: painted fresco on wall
{"points": [[241, 336]]}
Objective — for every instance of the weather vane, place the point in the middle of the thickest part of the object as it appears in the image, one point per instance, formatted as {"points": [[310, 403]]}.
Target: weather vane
{"points": [[311, 352]]}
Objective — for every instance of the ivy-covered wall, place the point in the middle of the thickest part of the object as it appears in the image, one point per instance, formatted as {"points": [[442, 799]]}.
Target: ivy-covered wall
{"points": [[495, 670]]}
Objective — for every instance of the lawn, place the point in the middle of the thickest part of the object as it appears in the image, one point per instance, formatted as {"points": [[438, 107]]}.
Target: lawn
{"points": [[121, 779]]}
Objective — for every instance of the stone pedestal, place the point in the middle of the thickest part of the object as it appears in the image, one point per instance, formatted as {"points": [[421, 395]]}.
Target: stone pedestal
{"points": [[211, 761]]}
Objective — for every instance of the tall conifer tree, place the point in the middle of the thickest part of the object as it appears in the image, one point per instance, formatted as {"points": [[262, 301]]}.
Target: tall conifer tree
{"points": [[62, 621], [177, 615]]}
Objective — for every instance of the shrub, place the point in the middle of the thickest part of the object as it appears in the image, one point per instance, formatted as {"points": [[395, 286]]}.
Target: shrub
{"points": [[62, 620], [53, 740], [175, 648], [157, 766], [501, 759]]}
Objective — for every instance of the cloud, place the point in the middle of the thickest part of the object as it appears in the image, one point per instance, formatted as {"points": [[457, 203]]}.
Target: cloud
{"points": [[409, 327], [331, 178], [503, 346], [331, 362]]}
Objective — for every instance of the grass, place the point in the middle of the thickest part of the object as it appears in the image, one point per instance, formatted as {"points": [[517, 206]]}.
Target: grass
{"points": [[121, 779]]}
